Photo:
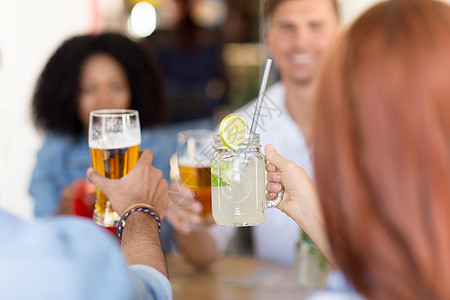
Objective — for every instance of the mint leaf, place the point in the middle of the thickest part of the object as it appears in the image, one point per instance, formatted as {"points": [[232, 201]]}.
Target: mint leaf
{"points": [[217, 181]]}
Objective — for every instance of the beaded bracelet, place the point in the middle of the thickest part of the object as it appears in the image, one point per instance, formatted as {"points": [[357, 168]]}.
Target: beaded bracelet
{"points": [[141, 205], [122, 220]]}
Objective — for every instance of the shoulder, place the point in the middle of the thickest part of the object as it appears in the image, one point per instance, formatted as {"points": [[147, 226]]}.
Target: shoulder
{"points": [[275, 93], [58, 251], [204, 123], [56, 142], [60, 234], [55, 148], [169, 132], [273, 98], [277, 87], [156, 138], [272, 109]]}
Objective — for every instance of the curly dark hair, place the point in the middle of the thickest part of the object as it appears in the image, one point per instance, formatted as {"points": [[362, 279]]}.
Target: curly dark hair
{"points": [[55, 101]]}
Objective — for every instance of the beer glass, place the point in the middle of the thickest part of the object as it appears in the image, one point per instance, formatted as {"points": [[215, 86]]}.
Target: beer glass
{"points": [[194, 163], [238, 183], [114, 140]]}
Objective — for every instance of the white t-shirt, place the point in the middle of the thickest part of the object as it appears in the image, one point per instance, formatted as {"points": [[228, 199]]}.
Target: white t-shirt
{"points": [[275, 239]]}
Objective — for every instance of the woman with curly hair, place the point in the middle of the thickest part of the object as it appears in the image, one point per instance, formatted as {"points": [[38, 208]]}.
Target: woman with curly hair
{"points": [[86, 73]]}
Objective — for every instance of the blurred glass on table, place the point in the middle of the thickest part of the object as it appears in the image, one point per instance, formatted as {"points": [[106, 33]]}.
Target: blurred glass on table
{"points": [[194, 151], [311, 267]]}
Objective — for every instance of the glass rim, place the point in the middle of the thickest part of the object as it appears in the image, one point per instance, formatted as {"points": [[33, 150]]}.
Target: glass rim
{"points": [[113, 112], [247, 135]]}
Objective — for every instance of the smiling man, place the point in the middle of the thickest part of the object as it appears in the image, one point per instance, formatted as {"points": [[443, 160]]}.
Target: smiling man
{"points": [[297, 33]]}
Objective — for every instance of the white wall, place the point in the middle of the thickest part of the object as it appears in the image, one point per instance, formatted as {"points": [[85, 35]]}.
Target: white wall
{"points": [[29, 32], [350, 9]]}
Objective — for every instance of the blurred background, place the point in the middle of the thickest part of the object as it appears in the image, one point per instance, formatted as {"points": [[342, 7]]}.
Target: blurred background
{"points": [[226, 75]]}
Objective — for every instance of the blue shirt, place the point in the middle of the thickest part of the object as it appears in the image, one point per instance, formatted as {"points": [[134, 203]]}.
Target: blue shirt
{"points": [[70, 258]]}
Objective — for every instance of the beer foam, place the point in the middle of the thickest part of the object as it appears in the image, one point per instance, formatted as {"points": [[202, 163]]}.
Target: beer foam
{"points": [[193, 163], [116, 140]]}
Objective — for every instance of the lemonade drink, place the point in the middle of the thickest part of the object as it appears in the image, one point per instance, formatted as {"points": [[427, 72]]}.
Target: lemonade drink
{"points": [[238, 175], [238, 191], [238, 183]]}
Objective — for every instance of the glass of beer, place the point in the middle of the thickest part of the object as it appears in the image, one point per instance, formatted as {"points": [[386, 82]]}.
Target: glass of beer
{"points": [[114, 140], [194, 152]]}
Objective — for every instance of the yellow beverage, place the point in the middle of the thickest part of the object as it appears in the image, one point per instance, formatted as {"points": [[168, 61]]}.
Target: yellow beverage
{"points": [[238, 191], [198, 179], [114, 164]]}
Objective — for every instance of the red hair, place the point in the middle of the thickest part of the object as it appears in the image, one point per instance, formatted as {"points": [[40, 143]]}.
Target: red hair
{"points": [[382, 150]]}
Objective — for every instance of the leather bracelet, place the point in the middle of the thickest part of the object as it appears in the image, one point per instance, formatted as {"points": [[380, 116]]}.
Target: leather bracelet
{"points": [[135, 208]]}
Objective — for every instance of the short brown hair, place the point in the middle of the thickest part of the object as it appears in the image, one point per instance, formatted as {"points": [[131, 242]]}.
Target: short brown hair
{"points": [[271, 5]]}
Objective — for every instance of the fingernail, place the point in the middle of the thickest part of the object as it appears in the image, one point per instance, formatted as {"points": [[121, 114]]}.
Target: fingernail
{"points": [[269, 147]]}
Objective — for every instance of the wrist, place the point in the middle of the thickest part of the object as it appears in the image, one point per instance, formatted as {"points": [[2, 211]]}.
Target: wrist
{"points": [[135, 210], [139, 222], [140, 242], [140, 227]]}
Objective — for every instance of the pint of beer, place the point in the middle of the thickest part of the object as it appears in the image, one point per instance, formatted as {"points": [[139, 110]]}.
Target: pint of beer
{"points": [[114, 140], [194, 153]]}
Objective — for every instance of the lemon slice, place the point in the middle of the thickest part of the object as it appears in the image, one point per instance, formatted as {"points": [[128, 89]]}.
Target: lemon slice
{"points": [[232, 130]]}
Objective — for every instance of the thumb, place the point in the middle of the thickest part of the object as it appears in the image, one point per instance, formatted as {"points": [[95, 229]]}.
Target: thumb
{"points": [[96, 179], [275, 158]]}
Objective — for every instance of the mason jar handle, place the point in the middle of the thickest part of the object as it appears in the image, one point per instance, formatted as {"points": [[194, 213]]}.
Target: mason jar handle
{"points": [[274, 203]]}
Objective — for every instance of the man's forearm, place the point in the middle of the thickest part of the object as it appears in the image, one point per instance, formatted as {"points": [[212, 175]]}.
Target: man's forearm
{"points": [[198, 247], [140, 242]]}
